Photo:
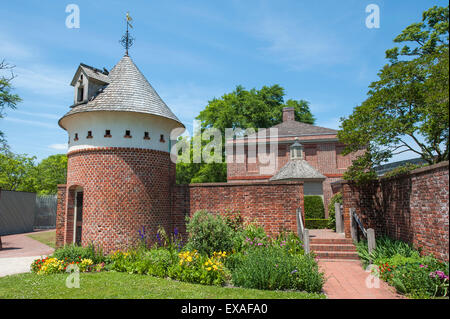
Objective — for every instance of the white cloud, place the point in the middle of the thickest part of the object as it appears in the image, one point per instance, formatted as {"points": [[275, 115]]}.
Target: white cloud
{"points": [[59, 147], [43, 80], [31, 122], [43, 115]]}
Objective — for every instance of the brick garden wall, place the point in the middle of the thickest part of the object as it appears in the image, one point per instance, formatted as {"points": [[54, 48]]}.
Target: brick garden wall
{"points": [[413, 208], [270, 204]]}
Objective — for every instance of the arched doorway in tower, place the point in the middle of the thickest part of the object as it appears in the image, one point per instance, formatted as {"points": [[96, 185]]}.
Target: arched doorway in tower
{"points": [[78, 216]]}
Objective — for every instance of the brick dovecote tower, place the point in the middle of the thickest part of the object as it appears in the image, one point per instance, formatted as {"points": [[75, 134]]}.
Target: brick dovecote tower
{"points": [[119, 172]]}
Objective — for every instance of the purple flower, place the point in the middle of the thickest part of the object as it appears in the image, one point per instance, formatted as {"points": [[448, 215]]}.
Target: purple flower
{"points": [[158, 237], [142, 233], [176, 231], [294, 271], [259, 244]]}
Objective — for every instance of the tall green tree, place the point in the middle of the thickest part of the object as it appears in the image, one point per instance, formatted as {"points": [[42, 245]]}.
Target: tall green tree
{"points": [[50, 172], [17, 172], [244, 109], [253, 108], [7, 98], [407, 107]]}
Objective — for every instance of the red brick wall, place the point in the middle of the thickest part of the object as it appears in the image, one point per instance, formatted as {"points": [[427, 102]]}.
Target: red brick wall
{"points": [[123, 190], [60, 215], [270, 204], [413, 208]]}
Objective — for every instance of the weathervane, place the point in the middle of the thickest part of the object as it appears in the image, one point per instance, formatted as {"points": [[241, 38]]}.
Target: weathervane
{"points": [[127, 40]]}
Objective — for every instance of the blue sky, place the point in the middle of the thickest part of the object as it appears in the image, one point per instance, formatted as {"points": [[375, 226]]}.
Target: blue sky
{"points": [[193, 51]]}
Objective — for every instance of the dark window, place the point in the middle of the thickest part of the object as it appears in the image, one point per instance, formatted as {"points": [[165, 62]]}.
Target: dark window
{"points": [[127, 134], [76, 137], [107, 133], [89, 134], [162, 139], [80, 94], [146, 136]]}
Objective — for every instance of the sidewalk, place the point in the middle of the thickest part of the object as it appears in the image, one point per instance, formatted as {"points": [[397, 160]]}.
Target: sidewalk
{"points": [[347, 280], [18, 253]]}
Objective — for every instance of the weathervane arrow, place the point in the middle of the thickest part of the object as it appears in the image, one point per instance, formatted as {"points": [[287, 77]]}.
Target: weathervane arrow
{"points": [[127, 40]]}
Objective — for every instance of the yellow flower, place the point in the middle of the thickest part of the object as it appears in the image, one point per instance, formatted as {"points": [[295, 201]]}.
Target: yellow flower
{"points": [[215, 267], [189, 258], [208, 269]]}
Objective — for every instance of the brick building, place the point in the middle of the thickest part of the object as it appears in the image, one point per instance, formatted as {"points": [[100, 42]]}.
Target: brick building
{"points": [[321, 151], [119, 173], [121, 180]]}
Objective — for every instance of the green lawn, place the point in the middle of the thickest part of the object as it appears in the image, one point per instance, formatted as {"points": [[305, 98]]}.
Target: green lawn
{"points": [[123, 285], [48, 238]]}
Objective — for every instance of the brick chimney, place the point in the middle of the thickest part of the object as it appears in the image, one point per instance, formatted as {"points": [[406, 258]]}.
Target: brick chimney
{"points": [[288, 114]]}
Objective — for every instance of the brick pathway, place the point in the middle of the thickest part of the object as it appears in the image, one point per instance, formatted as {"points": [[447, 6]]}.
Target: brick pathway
{"points": [[346, 279], [20, 245], [18, 253]]}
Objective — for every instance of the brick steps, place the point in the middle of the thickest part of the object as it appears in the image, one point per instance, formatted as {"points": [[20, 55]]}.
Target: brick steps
{"points": [[337, 255], [332, 241], [334, 249], [329, 247]]}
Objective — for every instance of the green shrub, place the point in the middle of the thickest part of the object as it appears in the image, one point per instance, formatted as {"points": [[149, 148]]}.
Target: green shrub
{"points": [[402, 170], [314, 208], [209, 233], [73, 253], [336, 198], [404, 268], [416, 276], [385, 248], [201, 269], [316, 223], [273, 268]]}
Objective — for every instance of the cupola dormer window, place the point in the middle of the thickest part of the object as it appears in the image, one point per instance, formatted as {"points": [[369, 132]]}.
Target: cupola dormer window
{"points": [[127, 134], [146, 136], [80, 94], [107, 133], [76, 137], [296, 150], [162, 140], [89, 135]]}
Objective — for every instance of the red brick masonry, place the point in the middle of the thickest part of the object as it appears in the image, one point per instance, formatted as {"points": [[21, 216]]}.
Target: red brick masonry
{"points": [[412, 207], [125, 189], [270, 204]]}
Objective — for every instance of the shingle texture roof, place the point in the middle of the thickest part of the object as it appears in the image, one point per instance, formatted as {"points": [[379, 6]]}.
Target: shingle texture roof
{"points": [[297, 169], [94, 73], [128, 90], [294, 128]]}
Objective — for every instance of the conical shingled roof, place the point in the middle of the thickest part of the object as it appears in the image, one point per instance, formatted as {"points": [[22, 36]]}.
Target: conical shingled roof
{"points": [[297, 169], [128, 91]]}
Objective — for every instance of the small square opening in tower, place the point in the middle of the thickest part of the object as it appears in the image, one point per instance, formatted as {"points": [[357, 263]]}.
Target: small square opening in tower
{"points": [[127, 134], [162, 139], [146, 136], [89, 135], [107, 133], [76, 137]]}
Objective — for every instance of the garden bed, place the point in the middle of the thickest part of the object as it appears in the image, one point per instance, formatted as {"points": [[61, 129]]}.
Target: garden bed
{"points": [[404, 268], [220, 251]]}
